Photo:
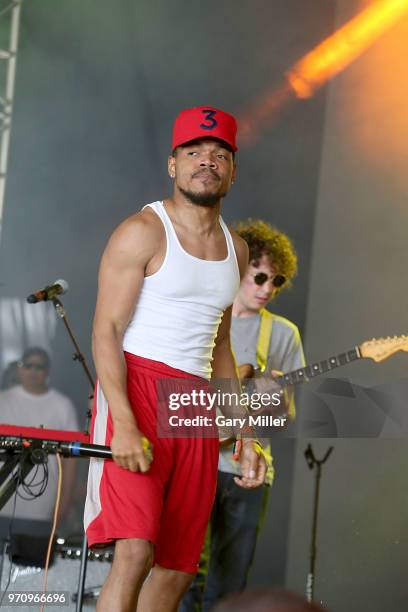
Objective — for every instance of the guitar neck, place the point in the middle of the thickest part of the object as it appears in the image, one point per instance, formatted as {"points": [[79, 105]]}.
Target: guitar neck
{"points": [[315, 369]]}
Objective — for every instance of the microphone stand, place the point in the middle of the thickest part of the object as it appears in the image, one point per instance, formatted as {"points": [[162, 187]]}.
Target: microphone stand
{"points": [[78, 356], [311, 462]]}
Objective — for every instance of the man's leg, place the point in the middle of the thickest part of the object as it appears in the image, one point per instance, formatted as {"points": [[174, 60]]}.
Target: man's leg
{"points": [[131, 564], [163, 590], [234, 529], [184, 521], [193, 599]]}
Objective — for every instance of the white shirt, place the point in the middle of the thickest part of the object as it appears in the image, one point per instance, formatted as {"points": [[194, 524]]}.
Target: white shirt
{"points": [[51, 410]]}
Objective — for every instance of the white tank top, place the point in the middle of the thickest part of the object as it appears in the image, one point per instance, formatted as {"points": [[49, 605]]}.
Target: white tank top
{"points": [[181, 305]]}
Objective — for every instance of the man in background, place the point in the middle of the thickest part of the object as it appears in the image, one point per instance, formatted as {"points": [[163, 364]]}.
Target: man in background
{"points": [[268, 343], [32, 403]]}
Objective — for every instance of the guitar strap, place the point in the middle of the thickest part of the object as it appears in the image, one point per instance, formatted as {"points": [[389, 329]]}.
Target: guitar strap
{"points": [[264, 338]]}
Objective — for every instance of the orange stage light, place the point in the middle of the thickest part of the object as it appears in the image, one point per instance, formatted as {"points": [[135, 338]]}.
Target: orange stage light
{"points": [[344, 46], [322, 63]]}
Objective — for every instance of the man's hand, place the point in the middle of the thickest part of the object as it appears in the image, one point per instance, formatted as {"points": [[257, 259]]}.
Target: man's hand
{"points": [[130, 449], [268, 384], [253, 465]]}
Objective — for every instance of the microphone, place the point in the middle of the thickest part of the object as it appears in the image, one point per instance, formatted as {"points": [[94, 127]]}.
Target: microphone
{"points": [[49, 292], [81, 449]]}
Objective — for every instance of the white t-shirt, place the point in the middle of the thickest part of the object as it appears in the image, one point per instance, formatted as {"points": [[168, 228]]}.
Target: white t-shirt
{"points": [[51, 410]]}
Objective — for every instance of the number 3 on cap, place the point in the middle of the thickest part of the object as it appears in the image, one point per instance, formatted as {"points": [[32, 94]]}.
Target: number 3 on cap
{"points": [[209, 118]]}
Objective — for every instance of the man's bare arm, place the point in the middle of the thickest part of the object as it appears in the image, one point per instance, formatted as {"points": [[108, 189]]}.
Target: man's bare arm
{"points": [[253, 464], [130, 249], [223, 364]]}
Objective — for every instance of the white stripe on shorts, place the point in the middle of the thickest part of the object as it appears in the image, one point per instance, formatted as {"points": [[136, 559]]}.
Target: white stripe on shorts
{"points": [[93, 501]]}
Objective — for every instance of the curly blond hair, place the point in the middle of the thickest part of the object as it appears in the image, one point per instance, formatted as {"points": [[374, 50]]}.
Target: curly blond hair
{"points": [[265, 239]]}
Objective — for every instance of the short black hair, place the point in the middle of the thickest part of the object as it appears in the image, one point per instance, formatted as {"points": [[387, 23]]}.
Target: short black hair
{"points": [[37, 350]]}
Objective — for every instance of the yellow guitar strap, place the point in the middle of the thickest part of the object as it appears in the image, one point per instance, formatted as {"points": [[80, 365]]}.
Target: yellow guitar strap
{"points": [[264, 338]]}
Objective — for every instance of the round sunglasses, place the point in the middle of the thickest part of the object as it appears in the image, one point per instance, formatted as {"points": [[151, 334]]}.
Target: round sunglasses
{"points": [[260, 278]]}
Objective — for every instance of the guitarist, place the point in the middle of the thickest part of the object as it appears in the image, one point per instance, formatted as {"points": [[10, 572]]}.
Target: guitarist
{"points": [[266, 342]]}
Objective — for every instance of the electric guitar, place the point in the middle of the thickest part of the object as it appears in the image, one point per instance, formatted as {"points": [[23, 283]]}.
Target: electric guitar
{"points": [[378, 350]]}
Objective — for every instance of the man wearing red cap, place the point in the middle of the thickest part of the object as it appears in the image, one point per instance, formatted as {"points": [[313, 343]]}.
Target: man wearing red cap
{"points": [[174, 269]]}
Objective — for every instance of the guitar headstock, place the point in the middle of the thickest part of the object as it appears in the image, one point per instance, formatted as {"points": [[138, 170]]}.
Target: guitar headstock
{"points": [[383, 347]]}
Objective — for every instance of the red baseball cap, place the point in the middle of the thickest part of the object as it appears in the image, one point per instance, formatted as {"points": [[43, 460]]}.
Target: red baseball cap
{"points": [[204, 122]]}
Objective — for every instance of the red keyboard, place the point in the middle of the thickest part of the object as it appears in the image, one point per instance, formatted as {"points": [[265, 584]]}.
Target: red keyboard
{"points": [[42, 434]]}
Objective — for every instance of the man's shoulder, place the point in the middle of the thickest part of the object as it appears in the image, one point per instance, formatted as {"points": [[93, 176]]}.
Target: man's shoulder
{"points": [[285, 325], [239, 243], [143, 230], [9, 394], [286, 349], [64, 413], [58, 396], [241, 250], [143, 220]]}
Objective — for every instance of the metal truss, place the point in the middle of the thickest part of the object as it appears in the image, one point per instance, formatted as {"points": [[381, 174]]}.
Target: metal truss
{"points": [[9, 30]]}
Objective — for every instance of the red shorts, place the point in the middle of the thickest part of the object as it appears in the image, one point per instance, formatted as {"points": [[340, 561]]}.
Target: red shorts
{"points": [[169, 505]]}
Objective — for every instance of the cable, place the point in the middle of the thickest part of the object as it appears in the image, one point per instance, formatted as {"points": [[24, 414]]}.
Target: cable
{"points": [[54, 526], [13, 514], [29, 486]]}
